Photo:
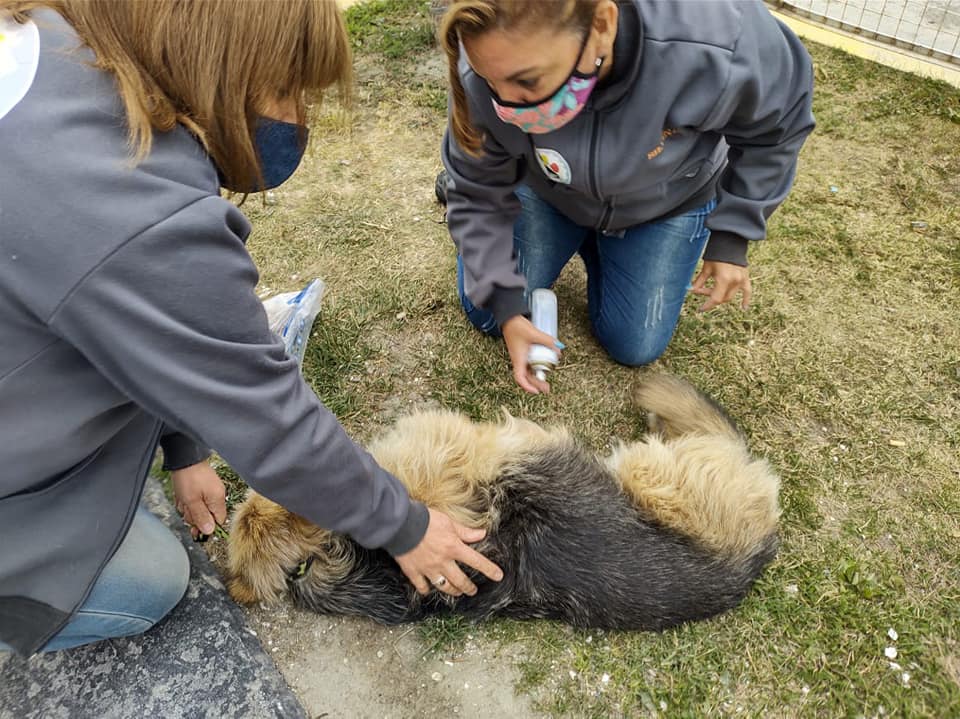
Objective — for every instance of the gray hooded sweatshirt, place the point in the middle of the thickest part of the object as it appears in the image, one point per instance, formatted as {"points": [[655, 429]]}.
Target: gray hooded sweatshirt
{"points": [[706, 99], [127, 313]]}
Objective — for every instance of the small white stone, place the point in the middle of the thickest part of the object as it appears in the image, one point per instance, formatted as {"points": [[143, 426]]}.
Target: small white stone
{"points": [[379, 655], [663, 705], [906, 678], [896, 667], [890, 652], [589, 639], [805, 690], [573, 674], [892, 633], [791, 589], [605, 678], [436, 676]]}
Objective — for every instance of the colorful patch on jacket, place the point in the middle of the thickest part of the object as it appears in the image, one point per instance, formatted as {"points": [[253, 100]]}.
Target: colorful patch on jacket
{"points": [[553, 165], [19, 57]]}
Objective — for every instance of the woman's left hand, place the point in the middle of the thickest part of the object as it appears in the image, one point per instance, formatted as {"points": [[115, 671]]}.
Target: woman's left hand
{"points": [[200, 497], [728, 280]]}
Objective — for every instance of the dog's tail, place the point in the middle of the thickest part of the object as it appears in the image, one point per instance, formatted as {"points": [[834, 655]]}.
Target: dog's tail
{"points": [[676, 408], [696, 475]]}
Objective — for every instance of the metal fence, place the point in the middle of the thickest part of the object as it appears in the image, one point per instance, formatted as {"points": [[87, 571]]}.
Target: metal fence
{"points": [[927, 27]]}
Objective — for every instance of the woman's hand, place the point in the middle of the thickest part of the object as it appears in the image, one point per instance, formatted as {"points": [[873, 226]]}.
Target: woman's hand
{"points": [[728, 279], [519, 335], [434, 560], [200, 497]]}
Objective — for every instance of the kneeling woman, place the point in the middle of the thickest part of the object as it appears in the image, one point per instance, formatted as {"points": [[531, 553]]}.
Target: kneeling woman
{"points": [[636, 134]]}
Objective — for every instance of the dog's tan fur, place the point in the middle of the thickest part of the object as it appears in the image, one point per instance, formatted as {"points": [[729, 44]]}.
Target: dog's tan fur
{"points": [[696, 475]]}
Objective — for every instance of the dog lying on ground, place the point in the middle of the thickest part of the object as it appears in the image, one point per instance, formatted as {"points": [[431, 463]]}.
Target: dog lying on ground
{"points": [[672, 528]]}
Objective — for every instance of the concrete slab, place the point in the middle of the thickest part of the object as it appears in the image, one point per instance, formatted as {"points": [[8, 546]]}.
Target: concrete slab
{"points": [[201, 661]]}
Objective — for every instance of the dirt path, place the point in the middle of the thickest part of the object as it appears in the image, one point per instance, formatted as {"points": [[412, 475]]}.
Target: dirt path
{"points": [[346, 668]]}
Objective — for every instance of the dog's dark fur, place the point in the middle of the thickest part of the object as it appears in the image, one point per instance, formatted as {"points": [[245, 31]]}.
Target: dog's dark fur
{"points": [[670, 529]]}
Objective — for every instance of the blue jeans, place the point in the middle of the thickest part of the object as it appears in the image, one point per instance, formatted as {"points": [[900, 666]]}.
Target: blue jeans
{"points": [[142, 582], [636, 279]]}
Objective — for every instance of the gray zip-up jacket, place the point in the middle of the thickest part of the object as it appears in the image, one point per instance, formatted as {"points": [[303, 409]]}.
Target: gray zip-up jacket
{"points": [[705, 98], [127, 312]]}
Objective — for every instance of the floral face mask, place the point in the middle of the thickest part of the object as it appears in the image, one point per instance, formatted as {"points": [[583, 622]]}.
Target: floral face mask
{"points": [[556, 110]]}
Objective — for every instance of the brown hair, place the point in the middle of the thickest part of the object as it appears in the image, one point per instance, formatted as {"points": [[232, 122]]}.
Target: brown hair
{"points": [[472, 18], [211, 65]]}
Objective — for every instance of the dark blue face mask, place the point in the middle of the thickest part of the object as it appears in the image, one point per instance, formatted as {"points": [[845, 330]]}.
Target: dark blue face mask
{"points": [[280, 147]]}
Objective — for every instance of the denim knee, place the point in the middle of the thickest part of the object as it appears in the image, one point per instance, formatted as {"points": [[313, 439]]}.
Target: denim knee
{"points": [[633, 348], [167, 582], [163, 582], [144, 580]]}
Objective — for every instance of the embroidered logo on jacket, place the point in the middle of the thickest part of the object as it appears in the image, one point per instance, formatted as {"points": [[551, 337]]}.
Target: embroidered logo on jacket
{"points": [[553, 165], [668, 133]]}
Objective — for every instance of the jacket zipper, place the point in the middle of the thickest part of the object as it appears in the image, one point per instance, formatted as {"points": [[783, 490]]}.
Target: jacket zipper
{"points": [[595, 173]]}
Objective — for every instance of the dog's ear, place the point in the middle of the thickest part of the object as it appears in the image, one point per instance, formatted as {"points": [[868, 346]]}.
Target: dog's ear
{"points": [[266, 543]]}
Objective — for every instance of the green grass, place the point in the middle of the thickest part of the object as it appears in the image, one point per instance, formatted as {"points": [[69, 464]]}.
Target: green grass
{"points": [[393, 29], [844, 373]]}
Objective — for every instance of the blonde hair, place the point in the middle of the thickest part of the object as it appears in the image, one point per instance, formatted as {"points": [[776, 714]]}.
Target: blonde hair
{"points": [[210, 65], [472, 18]]}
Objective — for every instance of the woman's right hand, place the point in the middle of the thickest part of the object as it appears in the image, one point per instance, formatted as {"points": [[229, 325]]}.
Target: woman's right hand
{"points": [[519, 335], [435, 560]]}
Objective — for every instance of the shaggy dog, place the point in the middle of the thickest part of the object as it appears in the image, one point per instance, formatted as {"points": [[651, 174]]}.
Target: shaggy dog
{"points": [[673, 528]]}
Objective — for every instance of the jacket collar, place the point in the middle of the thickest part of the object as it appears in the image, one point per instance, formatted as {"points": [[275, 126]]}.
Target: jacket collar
{"points": [[627, 55]]}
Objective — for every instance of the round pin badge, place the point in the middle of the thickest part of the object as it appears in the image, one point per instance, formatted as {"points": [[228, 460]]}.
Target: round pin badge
{"points": [[553, 165]]}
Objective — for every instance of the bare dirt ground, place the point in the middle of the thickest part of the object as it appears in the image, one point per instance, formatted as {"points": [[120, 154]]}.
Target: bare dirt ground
{"points": [[342, 667]]}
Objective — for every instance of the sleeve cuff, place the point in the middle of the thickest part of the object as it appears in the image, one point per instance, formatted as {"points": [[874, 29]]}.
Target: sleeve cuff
{"points": [[180, 451], [412, 531], [726, 247], [506, 303]]}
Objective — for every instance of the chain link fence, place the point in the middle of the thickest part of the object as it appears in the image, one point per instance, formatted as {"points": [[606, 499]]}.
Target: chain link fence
{"points": [[926, 27]]}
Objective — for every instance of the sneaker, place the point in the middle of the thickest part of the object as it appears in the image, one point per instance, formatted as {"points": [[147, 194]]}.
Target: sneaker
{"points": [[440, 187]]}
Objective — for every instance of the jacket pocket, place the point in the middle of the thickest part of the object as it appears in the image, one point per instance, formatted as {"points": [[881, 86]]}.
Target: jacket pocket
{"points": [[51, 483]]}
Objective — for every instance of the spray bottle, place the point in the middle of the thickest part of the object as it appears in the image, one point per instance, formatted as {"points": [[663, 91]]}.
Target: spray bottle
{"points": [[543, 314]]}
